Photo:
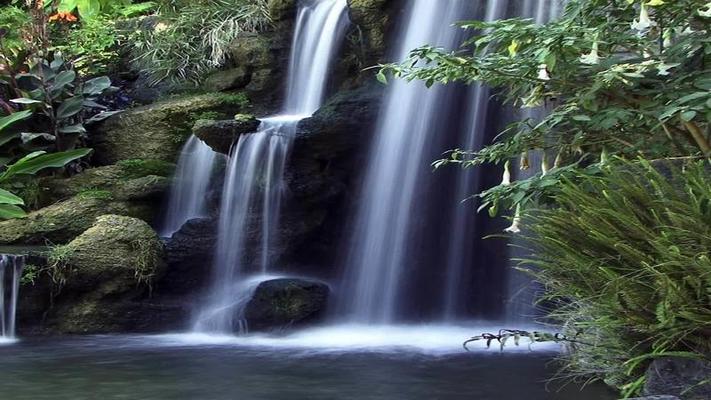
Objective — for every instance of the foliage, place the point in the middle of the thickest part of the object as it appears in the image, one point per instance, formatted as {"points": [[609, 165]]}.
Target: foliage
{"points": [[88, 9], [623, 77], [58, 259], [30, 274], [13, 20], [92, 46], [51, 91], [192, 38], [624, 257]]}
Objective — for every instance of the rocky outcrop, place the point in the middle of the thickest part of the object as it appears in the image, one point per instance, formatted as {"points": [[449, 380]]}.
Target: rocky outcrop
{"points": [[283, 303], [63, 221], [685, 378], [220, 135], [129, 180], [656, 398], [100, 282], [158, 131], [374, 19], [189, 253], [322, 175]]}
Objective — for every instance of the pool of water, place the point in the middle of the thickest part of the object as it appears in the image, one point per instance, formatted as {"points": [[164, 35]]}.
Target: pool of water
{"points": [[339, 363]]}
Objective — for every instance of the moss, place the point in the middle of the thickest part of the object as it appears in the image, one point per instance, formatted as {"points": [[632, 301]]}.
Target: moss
{"points": [[138, 168], [95, 193], [238, 99]]}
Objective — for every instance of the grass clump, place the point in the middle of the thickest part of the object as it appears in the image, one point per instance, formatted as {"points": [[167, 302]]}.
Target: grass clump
{"points": [[193, 38], [625, 260]]}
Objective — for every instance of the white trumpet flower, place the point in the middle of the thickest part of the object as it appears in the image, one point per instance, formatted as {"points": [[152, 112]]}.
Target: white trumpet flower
{"points": [[516, 224], [506, 178], [543, 73], [591, 58], [643, 24]]}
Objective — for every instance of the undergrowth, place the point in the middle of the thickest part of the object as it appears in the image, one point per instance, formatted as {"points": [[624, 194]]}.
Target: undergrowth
{"points": [[624, 257]]}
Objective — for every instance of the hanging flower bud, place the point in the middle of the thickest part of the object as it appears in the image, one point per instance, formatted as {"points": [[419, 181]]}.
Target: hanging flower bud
{"points": [[643, 24], [593, 57], [604, 156], [506, 178], [516, 224], [543, 73], [668, 34], [523, 161], [544, 164], [558, 160]]}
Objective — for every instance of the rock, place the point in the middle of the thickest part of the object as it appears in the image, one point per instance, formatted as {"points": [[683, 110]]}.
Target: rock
{"points": [[321, 176], [104, 269], [679, 377], [282, 303], [63, 221], [280, 10], [228, 79], [220, 135], [189, 254], [157, 131], [129, 180], [374, 18]]}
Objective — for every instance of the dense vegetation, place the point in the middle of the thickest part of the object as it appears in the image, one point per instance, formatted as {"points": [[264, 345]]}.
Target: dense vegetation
{"points": [[621, 248]]}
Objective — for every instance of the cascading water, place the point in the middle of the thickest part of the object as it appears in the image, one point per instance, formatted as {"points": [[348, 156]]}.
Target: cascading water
{"points": [[463, 225], [11, 267], [187, 197], [398, 165], [253, 190], [521, 289]]}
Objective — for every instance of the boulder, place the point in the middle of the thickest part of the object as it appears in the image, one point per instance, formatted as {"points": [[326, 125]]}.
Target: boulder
{"points": [[280, 10], [685, 378], [157, 131], [374, 18], [104, 272], [189, 253], [282, 303], [63, 221], [220, 135], [227, 79]]}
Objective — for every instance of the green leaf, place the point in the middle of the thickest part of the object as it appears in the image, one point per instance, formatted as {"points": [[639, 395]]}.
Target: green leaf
{"points": [[39, 160], [687, 116], [9, 198], [14, 117], [24, 100], [9, 211], [78, 128], [96, 86], [382, 78], [70, 107]]}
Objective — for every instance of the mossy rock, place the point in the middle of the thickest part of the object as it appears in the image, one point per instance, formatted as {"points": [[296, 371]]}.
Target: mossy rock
{"points": [[125, 249], [105, 267], [220, 135], [127, 180], [281, 9], [159, 130], [281, 303], [373, 18], [65, 220]]}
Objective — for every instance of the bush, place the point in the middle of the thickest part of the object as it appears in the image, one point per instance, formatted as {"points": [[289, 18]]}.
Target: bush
{"points": [[625, 261]]}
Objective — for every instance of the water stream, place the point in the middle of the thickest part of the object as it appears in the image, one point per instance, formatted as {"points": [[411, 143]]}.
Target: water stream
{"points": [[11, 267], [192, 178], [253, 190]]}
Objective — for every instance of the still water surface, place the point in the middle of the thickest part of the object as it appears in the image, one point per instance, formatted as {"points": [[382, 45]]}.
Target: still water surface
{"points": [[177, 367]]}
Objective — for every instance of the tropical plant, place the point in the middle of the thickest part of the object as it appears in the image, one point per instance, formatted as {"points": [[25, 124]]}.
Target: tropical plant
{"points": [[87, 9], [27, 165], [624, 77], [192, 38], [51, 91], [624, 258]]}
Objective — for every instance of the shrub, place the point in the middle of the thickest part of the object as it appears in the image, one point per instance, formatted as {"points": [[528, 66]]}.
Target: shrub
{"points": [[625, 260]]}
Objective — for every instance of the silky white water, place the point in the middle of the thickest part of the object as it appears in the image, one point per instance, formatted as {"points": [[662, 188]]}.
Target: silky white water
{"points": [[11, 267], [251, 200], [384, 221], [189, 191]]}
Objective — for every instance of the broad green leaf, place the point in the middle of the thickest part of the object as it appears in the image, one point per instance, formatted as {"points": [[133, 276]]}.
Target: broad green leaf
{"points": [[9, 211], [9, 198], [30, 136], [40, 160], [14, 117], [67, 5], [70, 107], [78, 128], [96, 86], [64, 78]]}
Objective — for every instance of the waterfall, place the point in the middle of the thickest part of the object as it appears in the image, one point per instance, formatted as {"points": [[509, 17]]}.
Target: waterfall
{"points": [[463, 225], [522, 290], [253, 183], [10, 274], [397, 167], [188, 195]]}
